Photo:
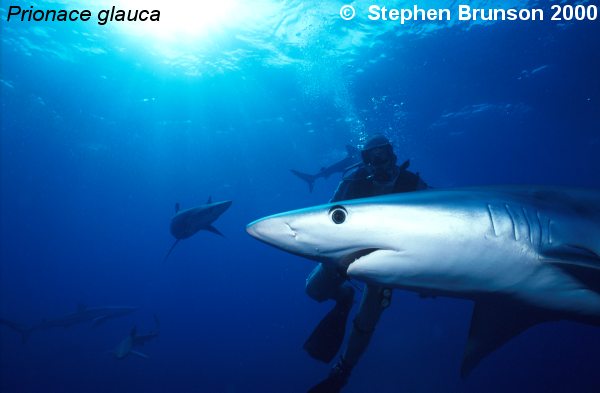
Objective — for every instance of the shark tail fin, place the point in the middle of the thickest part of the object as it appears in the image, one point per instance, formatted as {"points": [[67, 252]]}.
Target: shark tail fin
{"points": [[170, 250], [24, 331], [310, 179]]}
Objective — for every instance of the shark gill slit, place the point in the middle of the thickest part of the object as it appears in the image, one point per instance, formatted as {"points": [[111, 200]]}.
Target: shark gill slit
{"points": [[491, 216], [512, 221], [529, 229], [541, 227]]}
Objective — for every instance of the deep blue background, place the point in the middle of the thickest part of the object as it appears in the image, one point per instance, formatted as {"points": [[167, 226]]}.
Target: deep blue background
{"points": [[96, 149]]}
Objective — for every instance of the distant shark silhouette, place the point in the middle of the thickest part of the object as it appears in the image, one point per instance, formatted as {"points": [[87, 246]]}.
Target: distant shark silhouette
{"points": [[352, 159], [97, 315], [186, 223], [133, 340]]}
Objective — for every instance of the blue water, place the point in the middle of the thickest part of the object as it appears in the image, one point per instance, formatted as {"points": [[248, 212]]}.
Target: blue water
{"points": [[104, 129]]}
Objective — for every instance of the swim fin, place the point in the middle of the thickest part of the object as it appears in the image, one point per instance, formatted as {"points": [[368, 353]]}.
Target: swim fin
{"points": [[337, 379], [327, 338], [328, 385]]}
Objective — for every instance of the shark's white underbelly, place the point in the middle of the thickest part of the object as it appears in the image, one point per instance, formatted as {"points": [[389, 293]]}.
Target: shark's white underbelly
{"points": [[494, 249]]}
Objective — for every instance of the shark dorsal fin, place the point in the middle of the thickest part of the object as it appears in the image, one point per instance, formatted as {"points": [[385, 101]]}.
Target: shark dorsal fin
{"points": [[133, 332], [209, 200], [177, 207], [405, 165], [81, 307], [492, 325]]}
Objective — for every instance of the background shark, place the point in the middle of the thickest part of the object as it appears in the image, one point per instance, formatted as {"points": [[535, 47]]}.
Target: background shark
{"points": [[133, 340], [525, 255], [186, 223], [97, 315], [352, 158]]}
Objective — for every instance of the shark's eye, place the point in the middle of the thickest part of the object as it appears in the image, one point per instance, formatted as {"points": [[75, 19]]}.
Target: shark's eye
{"points": [[338, 214]]}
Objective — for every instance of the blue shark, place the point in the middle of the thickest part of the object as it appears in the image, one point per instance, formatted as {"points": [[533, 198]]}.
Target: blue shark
{"points": [[351, 160], [186, 223], [96, 315], [524, 255]]}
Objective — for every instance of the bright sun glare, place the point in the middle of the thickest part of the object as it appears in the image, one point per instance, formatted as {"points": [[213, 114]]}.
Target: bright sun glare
{"points": [[185, 20]]}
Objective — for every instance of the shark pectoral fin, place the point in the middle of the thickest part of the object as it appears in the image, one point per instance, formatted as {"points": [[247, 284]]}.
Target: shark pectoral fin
{"points": [[99, 321], [580, 263], [214, 230], [492, 325], [170, 250], [573, 255], [140, 354]]}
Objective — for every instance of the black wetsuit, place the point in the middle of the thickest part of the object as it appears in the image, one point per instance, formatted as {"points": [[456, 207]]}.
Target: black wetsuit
{"points": [[328, 282], [361, 183]]}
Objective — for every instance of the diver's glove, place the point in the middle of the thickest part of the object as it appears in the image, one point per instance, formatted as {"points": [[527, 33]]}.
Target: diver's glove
{"points": [[337, 379]]}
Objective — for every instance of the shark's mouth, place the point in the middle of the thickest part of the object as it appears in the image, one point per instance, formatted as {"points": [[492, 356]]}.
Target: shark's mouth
{"points": [[350, 258]]}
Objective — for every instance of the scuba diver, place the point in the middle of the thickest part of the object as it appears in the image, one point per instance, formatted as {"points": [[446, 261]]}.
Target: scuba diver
{"points": [[378, 174]]}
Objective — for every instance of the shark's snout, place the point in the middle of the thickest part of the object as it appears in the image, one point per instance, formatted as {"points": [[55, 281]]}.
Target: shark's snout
{"points": [[253, 230], [278, 231], [223, 206], [275, 231]]}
